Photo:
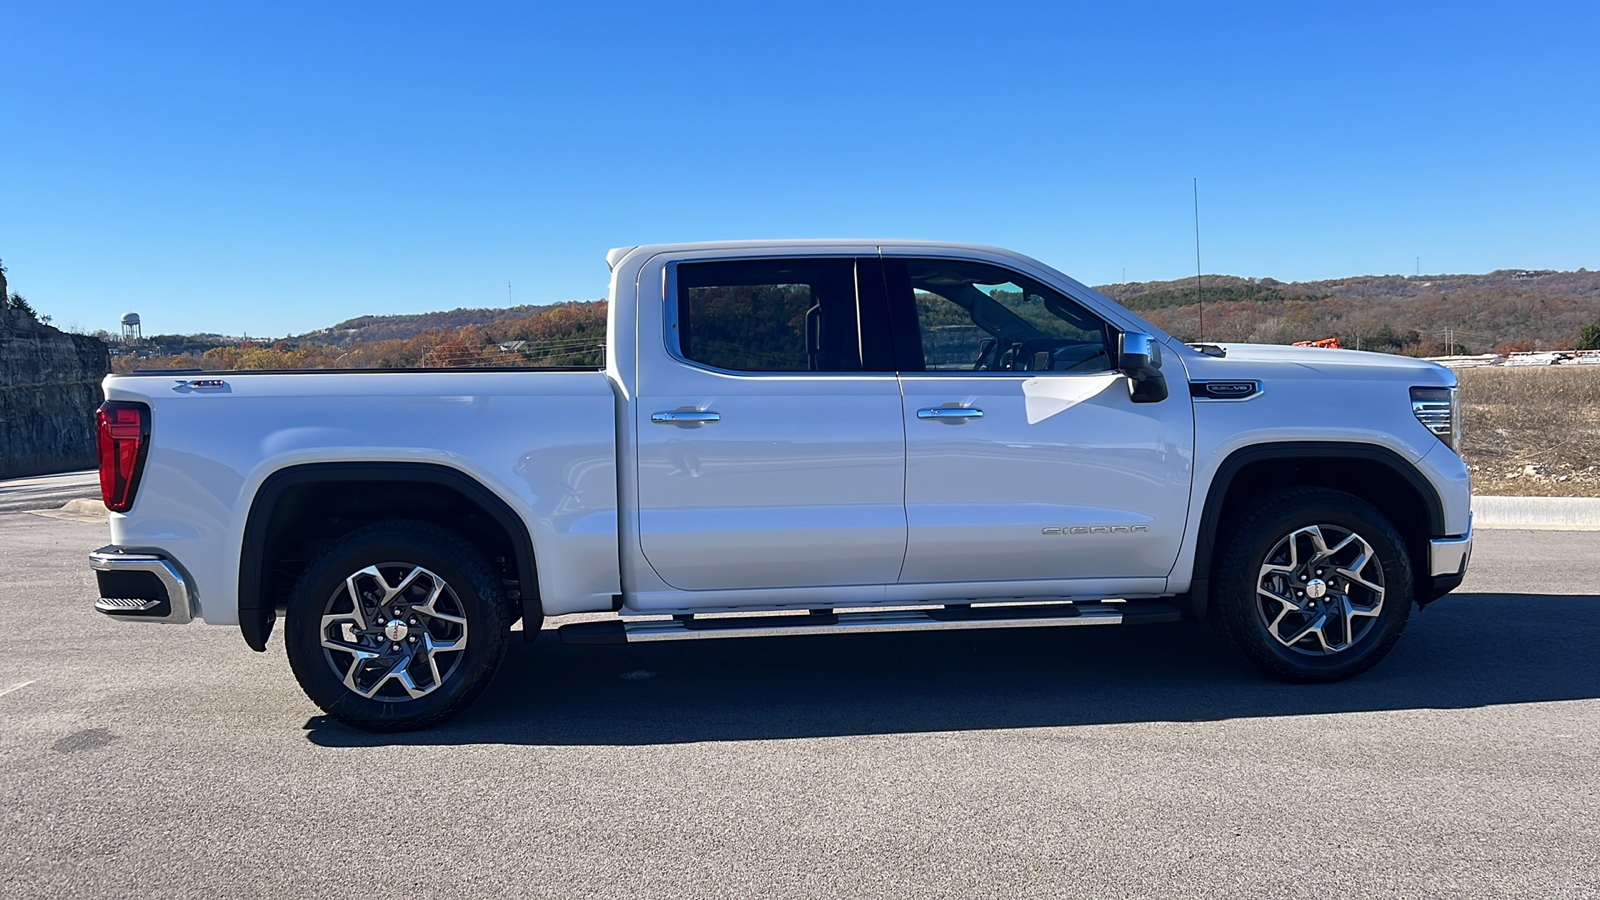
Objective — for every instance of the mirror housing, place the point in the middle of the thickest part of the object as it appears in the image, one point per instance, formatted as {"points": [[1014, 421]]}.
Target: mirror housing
{"points": [[1139, 358]]}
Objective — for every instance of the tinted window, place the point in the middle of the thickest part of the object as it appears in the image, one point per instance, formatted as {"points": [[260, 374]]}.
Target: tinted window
{"points": [[770, 315], [979, 318]]}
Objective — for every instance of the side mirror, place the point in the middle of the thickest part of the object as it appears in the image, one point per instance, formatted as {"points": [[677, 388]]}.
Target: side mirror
{"points": [[1139, 358]]}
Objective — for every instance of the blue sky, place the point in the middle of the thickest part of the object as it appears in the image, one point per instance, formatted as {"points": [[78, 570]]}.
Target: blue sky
{"points": [[275, 168]]}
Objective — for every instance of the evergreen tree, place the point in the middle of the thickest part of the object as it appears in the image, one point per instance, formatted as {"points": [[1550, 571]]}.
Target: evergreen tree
{"points": [[21, 304], [1589, 337]]}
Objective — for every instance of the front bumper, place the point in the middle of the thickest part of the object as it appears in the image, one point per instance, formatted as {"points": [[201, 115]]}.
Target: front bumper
{"points": [[1449, 555], [142, 585], [1447, 565]]}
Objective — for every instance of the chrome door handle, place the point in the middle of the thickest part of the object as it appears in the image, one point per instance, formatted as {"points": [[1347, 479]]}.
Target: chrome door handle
{"points": [[950, 413], [685, 417]]}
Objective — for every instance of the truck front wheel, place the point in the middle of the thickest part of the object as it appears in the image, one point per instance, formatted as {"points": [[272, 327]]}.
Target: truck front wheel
{"points": [[1312, 585], [398, 625]]}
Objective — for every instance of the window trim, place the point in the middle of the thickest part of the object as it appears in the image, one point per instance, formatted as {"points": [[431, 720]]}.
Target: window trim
{"points": [[670, 334], [907, 328]]}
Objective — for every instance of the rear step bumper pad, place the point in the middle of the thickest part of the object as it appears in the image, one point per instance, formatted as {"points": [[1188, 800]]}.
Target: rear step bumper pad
{"points": [[141, 586], [1043, 615]]}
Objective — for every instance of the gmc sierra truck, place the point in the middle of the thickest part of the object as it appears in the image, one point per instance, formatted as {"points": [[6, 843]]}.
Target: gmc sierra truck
{"points": [[787, 438]]}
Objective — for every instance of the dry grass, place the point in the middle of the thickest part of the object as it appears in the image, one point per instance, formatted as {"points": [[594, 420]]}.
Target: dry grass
{"points": [[1533, 431]]}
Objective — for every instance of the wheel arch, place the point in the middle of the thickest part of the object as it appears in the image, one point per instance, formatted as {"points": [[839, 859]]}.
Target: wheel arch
{"points": [[302, 494], [1371, 472]]}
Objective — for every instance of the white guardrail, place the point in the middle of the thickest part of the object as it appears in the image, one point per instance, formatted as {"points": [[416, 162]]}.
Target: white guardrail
{"points": [[1537, 358]]}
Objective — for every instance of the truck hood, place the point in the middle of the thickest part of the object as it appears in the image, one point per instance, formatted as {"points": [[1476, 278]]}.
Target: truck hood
{"points": [[1261, 360]]}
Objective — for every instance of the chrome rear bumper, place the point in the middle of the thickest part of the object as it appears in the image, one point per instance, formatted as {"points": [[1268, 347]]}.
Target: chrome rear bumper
{"points": [[141, 585]]}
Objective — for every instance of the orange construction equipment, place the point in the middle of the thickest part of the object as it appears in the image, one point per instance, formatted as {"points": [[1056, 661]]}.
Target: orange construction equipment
{"points": [[1331, 344]]}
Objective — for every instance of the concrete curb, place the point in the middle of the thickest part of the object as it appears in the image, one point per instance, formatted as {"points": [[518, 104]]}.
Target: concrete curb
{"points": [[46, 491], [79, 510], [1547, 513]]}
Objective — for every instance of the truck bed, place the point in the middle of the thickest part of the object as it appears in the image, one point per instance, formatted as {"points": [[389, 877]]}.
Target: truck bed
{"points": [[544, 441]]}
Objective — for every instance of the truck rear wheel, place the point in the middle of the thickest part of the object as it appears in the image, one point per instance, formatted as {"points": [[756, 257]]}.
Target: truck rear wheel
{"points": [[1312, 585], [397, 626]]}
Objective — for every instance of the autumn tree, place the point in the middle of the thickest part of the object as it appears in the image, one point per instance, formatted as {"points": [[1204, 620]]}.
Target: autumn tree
{"points": [[450, 353]]}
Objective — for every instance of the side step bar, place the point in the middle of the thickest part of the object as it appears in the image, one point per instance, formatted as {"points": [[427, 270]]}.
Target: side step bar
{"points": [[1038, 615]]}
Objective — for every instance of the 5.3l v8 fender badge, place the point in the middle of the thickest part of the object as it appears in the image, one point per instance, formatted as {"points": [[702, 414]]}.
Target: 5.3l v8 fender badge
{"points": [[1099, 529]]}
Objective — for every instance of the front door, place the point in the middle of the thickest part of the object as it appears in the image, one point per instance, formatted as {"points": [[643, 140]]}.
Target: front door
{"points": [[1026, 459], [771, 452]]}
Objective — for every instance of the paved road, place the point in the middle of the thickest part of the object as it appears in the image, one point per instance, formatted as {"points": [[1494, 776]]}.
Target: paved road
{"points": [[173, 762], [47, 491]]}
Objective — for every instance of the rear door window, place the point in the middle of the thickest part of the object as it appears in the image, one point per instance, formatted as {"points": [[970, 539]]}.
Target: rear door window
{"points": [[780, 315]]}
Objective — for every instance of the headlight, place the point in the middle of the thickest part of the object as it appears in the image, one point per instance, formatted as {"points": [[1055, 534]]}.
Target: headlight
{"points": [[1439, 410]]}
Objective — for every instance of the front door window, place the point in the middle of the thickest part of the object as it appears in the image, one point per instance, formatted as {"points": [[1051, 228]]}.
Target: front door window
{"points": [[979, 318]]}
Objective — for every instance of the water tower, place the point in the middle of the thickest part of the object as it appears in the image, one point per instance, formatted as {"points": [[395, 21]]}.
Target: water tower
{"points": [[130, 327]]}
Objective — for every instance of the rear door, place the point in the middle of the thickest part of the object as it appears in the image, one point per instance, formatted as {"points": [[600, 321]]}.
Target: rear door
{"points": [[771, 452], [1026, 458]]}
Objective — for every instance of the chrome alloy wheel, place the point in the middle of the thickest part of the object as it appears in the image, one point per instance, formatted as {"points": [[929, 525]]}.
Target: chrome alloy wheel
{"points": [[1320, 590], [394, 632]]}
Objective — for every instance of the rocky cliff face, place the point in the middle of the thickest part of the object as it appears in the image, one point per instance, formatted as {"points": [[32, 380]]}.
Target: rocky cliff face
{"points": [[49, 389]]}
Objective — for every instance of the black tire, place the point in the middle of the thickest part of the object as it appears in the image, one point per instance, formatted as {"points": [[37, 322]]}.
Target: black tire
{"points": [[1241, 615], [471, 607]]}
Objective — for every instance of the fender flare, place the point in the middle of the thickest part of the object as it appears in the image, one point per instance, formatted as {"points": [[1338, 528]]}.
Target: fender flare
{"points": [[257, 614], [1238, 460]]}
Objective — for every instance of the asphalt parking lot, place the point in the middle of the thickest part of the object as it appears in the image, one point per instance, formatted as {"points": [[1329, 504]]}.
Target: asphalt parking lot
{"points": [[173, 762]]}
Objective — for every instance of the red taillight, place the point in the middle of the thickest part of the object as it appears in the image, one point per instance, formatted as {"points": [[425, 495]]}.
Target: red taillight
{"points": [[123, 432]]}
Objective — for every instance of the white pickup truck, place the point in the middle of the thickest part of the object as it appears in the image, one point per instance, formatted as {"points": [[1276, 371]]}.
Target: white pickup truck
{"points": [[789, 438]]}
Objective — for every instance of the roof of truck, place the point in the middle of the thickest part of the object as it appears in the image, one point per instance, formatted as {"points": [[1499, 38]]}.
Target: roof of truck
{"points": [[619, 253]]}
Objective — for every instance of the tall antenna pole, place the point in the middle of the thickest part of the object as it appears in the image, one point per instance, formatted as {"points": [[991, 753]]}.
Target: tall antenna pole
{"points": [[508, 294], [1199, 299]]}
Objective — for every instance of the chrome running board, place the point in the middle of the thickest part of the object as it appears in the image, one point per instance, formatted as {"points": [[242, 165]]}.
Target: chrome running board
{"points": [[1031, 615]]}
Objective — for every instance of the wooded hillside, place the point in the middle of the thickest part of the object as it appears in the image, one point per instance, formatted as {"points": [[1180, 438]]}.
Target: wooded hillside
{"points": [[1507, 309], [1422, 316]]}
